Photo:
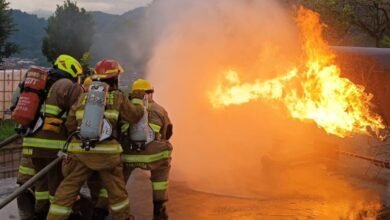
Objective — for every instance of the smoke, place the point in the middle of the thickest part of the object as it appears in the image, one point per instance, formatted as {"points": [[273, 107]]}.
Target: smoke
{"points": [[248, 150]]}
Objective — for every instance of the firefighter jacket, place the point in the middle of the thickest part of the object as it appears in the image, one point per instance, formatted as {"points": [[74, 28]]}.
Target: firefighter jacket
{"points": [[159, 121], [46, 142], [157, 150], [118, 108]]}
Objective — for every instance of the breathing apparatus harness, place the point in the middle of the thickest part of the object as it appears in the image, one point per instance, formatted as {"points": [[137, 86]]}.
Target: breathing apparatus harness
{"points": [[32, 93]]}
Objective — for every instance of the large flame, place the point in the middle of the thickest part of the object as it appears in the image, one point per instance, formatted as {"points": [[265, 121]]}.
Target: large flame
{"points": [[313, 90]]}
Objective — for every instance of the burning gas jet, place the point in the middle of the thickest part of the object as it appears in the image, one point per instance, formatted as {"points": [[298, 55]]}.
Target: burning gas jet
{"points": [[313, 90]]}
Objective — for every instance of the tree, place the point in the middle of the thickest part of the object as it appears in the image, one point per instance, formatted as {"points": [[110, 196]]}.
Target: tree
{"points": [[69, 31], [344, 17], [336, 15], [373, 17], [6, 29], [84, 61], [386, 41]]}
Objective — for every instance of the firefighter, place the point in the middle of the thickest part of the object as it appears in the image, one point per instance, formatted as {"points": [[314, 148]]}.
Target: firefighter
{"points": [[104, 157], [99, 196], [43, 145], [154, 156], [26, 200]]}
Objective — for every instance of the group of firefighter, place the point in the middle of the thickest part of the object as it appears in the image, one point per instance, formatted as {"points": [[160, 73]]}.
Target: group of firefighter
{"points": [[106, 166]]}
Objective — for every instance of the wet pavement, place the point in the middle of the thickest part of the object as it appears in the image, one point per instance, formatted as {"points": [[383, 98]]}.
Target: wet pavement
{"points": [[352, 189], [339, 197]]}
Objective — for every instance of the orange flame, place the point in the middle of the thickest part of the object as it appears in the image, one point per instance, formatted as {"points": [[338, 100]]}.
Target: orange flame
{"points": [[316, 92]]}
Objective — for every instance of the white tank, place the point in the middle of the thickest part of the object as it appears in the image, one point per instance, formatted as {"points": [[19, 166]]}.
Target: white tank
{"points": [[141, 131], [92, 123]]}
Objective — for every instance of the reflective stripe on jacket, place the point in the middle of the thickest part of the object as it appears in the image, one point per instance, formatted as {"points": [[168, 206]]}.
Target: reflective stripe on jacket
{"points": [[150, 158], [43, 143], [106, 147]]}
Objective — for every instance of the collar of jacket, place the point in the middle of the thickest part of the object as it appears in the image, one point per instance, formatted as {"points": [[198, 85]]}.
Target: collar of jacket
{"points": [[56, 74]]}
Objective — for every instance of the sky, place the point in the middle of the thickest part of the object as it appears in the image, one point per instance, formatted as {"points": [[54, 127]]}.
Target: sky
{"points": [[108, 6]]}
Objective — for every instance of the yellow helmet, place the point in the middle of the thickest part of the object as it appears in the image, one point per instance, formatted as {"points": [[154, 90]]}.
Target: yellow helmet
{"points": [[141, 84], [87, 82], [69, 64]]}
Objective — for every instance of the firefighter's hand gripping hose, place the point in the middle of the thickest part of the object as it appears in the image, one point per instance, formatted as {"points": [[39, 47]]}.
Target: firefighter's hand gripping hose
{"points": [[40, 174]]}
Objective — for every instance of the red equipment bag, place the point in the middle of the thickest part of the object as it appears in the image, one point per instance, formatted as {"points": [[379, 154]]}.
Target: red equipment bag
{"points": [[29, 101]]}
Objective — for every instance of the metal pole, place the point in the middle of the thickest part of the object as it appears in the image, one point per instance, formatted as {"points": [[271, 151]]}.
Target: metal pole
{"points": [[29, 183], [9, 140], [376, 162], [3, 79]]}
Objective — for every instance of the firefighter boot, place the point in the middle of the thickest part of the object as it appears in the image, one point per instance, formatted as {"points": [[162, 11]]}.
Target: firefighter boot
{"points": [[26, 203], [41, 214], [99, 214], [82, 208], [159, 211], [75, 216]]}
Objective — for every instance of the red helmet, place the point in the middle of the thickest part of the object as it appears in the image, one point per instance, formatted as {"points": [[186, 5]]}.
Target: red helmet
{"points": [[106, 69]]}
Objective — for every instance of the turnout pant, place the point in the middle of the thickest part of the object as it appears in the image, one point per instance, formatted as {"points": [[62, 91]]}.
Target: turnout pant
{"points": [[76, 169], [99, 195], [26, 200], [157, 158], [26, 168], [46, 187], [159, 177]]}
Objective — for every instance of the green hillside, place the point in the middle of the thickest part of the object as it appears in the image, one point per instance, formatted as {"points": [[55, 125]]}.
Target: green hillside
{"points": [[118, 37], [30, 30]]}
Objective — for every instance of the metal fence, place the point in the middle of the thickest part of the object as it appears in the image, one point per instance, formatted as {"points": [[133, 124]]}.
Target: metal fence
{"points": [[9, 80], [9, 160]]}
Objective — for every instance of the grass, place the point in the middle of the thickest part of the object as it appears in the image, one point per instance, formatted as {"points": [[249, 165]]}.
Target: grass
{"points": [[7, 128]]}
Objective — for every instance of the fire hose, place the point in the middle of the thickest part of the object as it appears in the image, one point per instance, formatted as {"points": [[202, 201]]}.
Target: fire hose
{"points": [[40, 174], [29, 183], [376, 162]]}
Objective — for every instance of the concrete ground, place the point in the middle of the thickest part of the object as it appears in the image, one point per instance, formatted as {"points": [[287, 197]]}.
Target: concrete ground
{"points": [[186, 203]]}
